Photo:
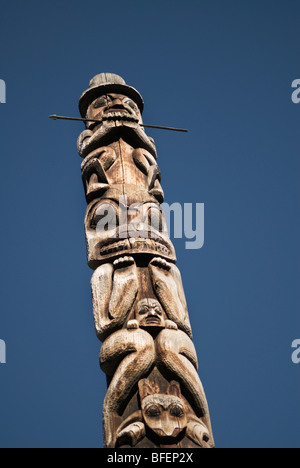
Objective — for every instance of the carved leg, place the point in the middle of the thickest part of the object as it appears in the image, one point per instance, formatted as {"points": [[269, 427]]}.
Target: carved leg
{"points": [[168, 287], [114, 289], [176, 352], [127, 355]]}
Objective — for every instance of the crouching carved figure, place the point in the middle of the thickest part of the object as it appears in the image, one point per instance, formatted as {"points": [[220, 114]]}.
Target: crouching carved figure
{"points": [[142, 335]]}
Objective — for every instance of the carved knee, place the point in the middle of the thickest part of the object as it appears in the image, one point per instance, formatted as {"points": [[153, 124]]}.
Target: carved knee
{"points": [[175, 342], [126, 343]]}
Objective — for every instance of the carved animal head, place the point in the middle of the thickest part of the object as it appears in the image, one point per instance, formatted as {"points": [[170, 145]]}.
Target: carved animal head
{"points": [[166, 414], [115, 227]]}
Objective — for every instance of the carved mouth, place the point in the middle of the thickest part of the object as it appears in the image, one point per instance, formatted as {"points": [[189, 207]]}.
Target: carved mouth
{"points": [[153, 320], [138, 245], [121, 115]]}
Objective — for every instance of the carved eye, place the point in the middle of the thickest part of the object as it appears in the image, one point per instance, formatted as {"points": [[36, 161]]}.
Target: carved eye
{"points": [[101, 102], [132, 105], [177, 411], [144, 310], [153, 411], [105, 218]]}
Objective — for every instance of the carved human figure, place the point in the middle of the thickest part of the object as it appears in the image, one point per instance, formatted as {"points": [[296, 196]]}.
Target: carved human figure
{"points": [[115, 287], [127, 355], [116, 150], [119, 108]]}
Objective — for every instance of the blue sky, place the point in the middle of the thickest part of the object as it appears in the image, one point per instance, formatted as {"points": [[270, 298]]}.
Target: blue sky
{"points": [[222, 69]]}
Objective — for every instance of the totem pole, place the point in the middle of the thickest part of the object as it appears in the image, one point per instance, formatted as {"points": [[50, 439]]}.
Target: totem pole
{"points": [[155, 398]]}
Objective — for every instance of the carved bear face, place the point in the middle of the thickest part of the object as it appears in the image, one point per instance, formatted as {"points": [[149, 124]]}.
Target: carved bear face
{"points": [[166, 414], [116, 229]]}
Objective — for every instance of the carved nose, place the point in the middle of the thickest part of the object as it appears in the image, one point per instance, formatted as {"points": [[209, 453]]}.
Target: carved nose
{"points": [[117, 103], [169, 430], [155, 313]]}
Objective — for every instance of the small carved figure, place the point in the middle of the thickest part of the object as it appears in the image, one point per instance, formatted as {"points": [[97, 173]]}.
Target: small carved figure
{"points": [[150, 314]]}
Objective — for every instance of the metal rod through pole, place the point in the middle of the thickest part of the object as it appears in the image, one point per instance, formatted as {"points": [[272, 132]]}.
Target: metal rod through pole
{"points": [[59, 117]]}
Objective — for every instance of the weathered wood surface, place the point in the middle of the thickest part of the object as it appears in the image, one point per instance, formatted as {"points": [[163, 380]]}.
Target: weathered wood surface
{"points": [[155, 397]]}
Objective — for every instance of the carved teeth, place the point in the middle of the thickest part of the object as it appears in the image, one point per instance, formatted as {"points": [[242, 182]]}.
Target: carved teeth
{"points": [[119, 116], [139, 245], [123, 261], [117, 247]]}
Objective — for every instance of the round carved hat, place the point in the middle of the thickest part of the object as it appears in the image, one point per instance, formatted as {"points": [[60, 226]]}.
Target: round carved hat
{"points": [[108, 83]]}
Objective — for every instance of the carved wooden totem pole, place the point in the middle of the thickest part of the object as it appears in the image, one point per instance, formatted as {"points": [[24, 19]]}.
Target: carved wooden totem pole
{"points": [[155, 398]]}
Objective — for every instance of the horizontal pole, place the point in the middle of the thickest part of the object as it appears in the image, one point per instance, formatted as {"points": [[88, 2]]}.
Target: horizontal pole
{"points": [[59, 117]]}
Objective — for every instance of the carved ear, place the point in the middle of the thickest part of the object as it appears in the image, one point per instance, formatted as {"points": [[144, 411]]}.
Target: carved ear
{"points": [[145, 389], [174, 389]]}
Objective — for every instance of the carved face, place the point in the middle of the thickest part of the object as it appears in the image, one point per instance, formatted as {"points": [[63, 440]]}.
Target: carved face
{"points": [[115, 229], [116, 114], [111, 108], [150, 313], [163, 414]]}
